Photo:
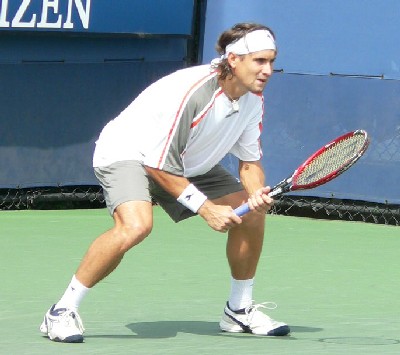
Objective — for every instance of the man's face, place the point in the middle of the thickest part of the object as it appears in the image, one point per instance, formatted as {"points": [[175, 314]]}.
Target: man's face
{"points": [[253, 70]]}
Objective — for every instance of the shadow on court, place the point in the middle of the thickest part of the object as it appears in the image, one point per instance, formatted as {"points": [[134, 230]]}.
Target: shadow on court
{"points": [[170, 329]]}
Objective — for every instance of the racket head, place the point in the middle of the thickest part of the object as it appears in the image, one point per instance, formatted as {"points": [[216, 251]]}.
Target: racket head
{"points": [[331, 160]]}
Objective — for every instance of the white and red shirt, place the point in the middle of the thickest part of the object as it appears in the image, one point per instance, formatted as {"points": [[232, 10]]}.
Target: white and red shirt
{"points": [[183, 124]]}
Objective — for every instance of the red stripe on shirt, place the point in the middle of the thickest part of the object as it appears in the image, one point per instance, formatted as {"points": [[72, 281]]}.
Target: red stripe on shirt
{"points": [[178, 114], [260, 125], [197, 121]]}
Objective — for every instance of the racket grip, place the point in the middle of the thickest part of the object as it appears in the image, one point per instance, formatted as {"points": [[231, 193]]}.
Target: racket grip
{"points": [[242, 210]]}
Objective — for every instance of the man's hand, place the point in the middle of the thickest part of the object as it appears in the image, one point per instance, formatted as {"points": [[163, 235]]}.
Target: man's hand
{"points": [[260, 201], [218, 217]]}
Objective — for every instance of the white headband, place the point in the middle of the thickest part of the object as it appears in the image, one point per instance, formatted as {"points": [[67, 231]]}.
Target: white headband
{"points": [[254, 41]]}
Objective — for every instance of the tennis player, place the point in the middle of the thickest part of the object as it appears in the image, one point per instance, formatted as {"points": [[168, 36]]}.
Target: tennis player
{"points": [[167, 146]]}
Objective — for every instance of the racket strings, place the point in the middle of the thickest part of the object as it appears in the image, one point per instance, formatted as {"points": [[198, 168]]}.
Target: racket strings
{"points": [[334, 158]]}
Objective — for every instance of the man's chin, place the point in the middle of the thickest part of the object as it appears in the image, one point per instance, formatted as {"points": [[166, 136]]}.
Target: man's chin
{"points": [[257, 90]]}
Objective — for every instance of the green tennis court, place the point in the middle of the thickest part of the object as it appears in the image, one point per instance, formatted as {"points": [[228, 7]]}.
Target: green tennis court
{"points": [[335, 283]]}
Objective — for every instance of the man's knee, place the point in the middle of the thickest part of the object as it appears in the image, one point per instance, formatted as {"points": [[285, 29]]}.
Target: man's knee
{"points": [[132, 234], [133, 223]]}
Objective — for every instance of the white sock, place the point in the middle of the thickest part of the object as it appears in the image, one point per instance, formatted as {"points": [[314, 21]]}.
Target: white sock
{"points": [[241, 294], [73, 295]]}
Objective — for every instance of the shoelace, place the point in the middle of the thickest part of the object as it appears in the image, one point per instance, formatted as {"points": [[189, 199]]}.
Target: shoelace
{"points": [[251, 310]]}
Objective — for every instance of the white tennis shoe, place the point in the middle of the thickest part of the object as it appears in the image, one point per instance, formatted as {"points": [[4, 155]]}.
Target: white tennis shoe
{"points": [[251, 320], [62, 325]]}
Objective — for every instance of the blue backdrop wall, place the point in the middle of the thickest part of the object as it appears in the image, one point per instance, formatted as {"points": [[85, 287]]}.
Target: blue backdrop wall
{"points": [[67, 67]]}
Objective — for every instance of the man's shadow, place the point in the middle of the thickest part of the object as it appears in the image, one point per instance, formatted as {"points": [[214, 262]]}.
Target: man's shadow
{"points": [[170, 329]]}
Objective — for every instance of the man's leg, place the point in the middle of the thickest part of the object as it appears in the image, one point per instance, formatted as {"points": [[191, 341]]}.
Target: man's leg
{"points": [[245, 241], [132, 223], [244, 246], [243, 250]]}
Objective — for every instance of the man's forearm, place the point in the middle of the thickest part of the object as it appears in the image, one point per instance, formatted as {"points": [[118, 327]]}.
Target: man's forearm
{"points": [[252, 176]]}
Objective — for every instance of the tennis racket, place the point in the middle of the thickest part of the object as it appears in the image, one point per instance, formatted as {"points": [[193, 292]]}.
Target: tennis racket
{"points": [[324, 165]]}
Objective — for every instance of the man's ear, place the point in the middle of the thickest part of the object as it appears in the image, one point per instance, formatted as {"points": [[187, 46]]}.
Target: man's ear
{"points": [[232, 60]]}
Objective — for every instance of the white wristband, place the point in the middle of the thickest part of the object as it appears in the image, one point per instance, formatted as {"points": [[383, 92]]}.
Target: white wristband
{"points": [[192, 198]]}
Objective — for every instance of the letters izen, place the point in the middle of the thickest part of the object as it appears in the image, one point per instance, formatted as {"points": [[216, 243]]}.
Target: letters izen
{"points": [[24, 18]]}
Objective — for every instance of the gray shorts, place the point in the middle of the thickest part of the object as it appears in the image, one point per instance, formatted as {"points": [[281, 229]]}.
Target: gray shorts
{"points": [[125, 181]]}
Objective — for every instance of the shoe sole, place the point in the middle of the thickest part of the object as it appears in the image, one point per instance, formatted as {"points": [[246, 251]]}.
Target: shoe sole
{"points": [[278, 332], [71, 339], [234, 328], [230, 328]]}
